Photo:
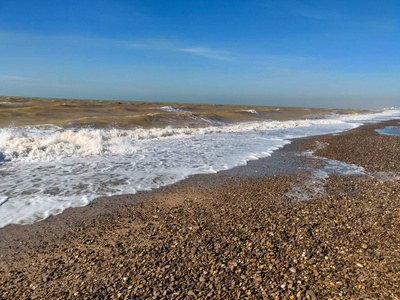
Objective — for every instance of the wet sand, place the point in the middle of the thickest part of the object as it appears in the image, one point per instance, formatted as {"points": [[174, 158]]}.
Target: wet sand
{"points": [[125, 114], [237, 234]]}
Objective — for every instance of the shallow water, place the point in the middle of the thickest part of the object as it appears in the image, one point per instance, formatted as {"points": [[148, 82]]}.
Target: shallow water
{"points": [[45, 169], [125, 114], [390, 130]]}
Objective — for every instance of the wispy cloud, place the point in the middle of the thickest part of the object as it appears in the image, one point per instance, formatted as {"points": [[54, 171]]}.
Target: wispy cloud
{"points": [[168, 45], [209, 53], [152, 44], [158, 44], [171, 45], [13, 78]]}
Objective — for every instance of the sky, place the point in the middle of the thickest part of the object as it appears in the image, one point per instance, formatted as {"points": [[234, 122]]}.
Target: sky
{"points": [[338, 54]]}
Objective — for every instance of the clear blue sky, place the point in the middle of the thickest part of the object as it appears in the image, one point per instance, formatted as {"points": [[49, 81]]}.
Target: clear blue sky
{"points": [[291, 53]]}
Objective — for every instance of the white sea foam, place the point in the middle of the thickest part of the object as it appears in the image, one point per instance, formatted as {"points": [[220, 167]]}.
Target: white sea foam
{"points": [[172, 109], [251, 111], [315, 185], [29, 145], [3, 200], [45, 170]]}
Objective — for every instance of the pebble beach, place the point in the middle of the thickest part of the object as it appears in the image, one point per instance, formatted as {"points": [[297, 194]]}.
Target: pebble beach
{"points": [[245, 233]]}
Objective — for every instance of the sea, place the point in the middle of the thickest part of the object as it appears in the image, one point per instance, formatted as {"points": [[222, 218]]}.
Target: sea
{"points": [[55, 154]]}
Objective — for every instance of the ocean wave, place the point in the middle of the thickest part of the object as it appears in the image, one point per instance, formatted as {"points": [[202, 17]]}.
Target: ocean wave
{"points": [[52, 143], [251, 111], [8, 103], [172, 109], [45, 170]]}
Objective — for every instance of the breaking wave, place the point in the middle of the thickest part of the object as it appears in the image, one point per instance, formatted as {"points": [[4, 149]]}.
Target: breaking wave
{"points": [[47, 169]]}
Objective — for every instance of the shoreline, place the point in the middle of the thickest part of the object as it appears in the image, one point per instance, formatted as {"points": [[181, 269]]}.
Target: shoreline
{"points": [[45, 169], [215, 229], [107, 205]]}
